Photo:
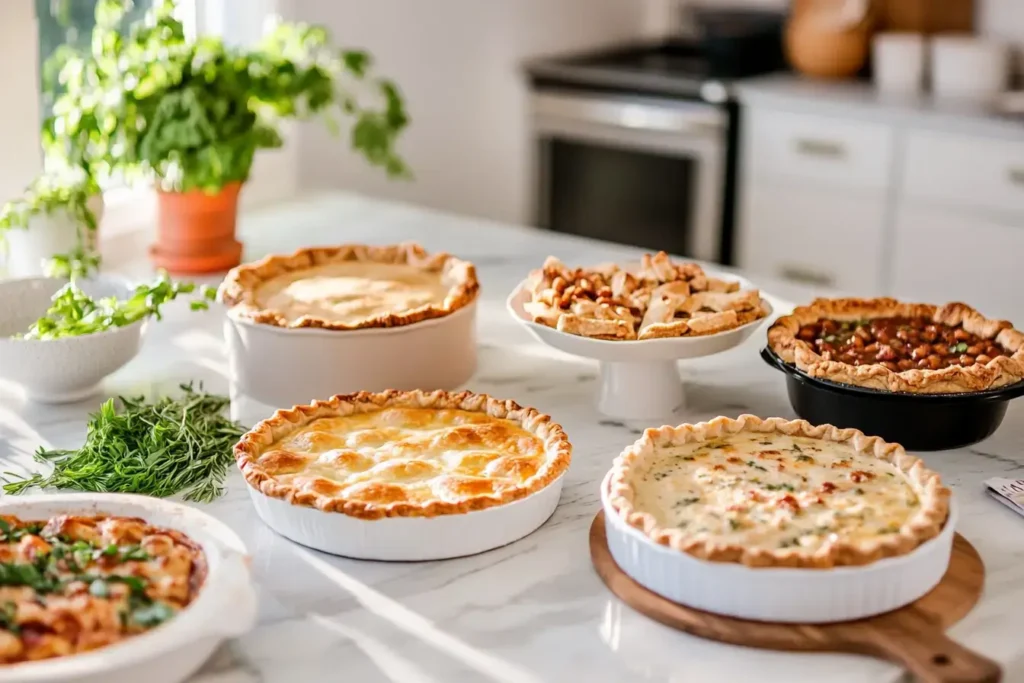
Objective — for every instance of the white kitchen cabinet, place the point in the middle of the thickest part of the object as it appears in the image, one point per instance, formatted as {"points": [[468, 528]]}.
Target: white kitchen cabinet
{"points": [[945, 255], [818, 150], [830, 238]]}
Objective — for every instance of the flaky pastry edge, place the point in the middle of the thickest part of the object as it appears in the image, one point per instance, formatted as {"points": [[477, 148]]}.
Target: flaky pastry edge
{"points": [[284, 422], [998, 372], [924, 525], [238, 291]]}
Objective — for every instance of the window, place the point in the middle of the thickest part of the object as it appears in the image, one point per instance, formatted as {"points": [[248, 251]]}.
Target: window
{"points": [[68, 22]]}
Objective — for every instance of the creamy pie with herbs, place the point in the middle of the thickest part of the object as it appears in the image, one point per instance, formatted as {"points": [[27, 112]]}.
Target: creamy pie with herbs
{"points": [[397, 454], [777, 492], [350, 287]]}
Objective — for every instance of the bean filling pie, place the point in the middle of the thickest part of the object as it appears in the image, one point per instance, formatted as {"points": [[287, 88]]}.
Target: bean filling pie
{"points": [[892, 346]]}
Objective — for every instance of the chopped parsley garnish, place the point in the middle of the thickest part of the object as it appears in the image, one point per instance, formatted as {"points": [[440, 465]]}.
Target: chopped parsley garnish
{"points": [[780, 487], [9, 618], [804, 458], [859, 491], [789, 543], [734, 524], [751, 463], [683, 502]]}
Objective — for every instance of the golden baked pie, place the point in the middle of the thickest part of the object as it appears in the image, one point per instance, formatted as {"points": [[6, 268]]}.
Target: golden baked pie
{"points": [[350, 287], [396, 453], [777, 493], [661, 299], [888, 345], [72, 584]]}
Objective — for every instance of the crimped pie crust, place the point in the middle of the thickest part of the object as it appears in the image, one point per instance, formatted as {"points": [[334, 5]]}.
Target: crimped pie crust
{"points": [[557, 451], [997, 372], [239, 287], [924, 524]]}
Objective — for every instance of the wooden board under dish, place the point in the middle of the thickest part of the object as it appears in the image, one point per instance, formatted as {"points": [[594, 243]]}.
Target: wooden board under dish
{"points": [[913, 636]]}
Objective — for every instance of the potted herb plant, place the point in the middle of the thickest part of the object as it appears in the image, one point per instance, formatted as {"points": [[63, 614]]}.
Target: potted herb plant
{"points": [[190, 115], [51, 228]]}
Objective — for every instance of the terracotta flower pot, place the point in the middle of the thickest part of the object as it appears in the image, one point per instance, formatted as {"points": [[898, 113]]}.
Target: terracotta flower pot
{"points": [[196, 231]]}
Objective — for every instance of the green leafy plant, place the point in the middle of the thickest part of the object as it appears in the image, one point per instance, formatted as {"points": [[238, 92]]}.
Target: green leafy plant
{"points": [[174, 445], [147, 101], [74, 313], [52, 193]]}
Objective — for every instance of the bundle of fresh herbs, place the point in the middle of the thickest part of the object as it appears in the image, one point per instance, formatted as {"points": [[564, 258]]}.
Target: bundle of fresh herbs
{"points": [[173, 446], [74, 313]]}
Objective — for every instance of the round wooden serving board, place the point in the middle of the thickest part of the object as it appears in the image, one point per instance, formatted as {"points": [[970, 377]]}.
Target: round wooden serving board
{"points": [[912, 636]]}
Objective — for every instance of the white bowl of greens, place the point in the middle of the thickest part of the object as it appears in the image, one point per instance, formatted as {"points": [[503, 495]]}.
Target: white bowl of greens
{"points": [[58, 340], [67, 367]]}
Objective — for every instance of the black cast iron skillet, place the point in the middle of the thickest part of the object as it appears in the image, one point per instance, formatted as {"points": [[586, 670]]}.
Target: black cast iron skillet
{"points": [[918, 422]]}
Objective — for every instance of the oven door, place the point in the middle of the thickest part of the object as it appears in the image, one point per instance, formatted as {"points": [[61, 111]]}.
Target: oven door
{"points": [[641, 171]]}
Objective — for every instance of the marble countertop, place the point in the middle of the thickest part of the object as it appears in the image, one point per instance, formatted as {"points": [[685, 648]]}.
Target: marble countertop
{"points": [[860, 99], [534, 610]]}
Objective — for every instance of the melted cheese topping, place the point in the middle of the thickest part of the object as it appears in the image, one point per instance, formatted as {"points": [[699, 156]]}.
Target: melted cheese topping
{"points": [[351, 291], [774, 491], [406, 455]]}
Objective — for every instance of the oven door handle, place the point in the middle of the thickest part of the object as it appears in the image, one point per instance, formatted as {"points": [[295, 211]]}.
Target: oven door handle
{"points": [[693, 119]]}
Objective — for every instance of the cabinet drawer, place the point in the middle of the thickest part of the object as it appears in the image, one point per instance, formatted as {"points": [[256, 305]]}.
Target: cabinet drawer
{"points": [[976, 172], [944, 255], [821, 238], [820, 149]]}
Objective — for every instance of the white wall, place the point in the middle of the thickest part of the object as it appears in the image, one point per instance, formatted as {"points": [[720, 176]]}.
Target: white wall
{"points": [[458, 63], [20, 155]]}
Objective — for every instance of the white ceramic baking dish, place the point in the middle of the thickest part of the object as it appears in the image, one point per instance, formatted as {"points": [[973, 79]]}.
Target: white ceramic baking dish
{"points": [[409, 538], [225, 607], [804, 596], [285, 367]]}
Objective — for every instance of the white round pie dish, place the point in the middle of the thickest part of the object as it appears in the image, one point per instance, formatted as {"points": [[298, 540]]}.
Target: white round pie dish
{"points": [[409, 539], [284, 366], [782, 594], [225, 607]]}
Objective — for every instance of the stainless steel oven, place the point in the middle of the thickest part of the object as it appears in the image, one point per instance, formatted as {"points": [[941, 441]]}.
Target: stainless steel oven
{"points": [[642, 170]]}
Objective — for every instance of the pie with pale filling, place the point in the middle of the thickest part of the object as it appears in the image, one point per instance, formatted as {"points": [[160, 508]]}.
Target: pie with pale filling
{"points": [[404, 454], [777, 493], [350, 287], [661, 299]]}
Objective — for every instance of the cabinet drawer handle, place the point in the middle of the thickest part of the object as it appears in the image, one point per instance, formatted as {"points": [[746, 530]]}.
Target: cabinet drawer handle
{"points": [[820, 148], [807, 276], [1017, 176]]}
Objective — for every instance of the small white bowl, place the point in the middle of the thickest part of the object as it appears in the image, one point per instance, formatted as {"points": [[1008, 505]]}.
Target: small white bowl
{"points": [[409, 539], [285, 367], [60, 370], [225, 607], [783, 594]]}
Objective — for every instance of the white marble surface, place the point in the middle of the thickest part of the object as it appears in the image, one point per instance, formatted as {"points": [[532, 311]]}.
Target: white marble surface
{"points": [[534, 610], [859, 99]]}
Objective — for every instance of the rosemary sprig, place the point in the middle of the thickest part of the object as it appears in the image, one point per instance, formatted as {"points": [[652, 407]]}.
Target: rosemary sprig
{"points": [[161, 449]]}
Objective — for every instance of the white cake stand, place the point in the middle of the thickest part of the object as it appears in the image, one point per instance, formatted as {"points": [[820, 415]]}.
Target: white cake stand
{"points": [[639, 379]]}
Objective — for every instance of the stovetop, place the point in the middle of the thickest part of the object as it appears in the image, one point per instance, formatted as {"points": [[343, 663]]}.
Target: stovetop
{"points": [[670, 59], [678, 68]]}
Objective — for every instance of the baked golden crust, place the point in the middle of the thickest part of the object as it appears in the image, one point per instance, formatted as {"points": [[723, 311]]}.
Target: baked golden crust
{"points": [[996, 372], [404, 454], [661, 299], [79, 583], [890, 467], [239, 289]]}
